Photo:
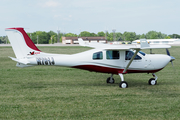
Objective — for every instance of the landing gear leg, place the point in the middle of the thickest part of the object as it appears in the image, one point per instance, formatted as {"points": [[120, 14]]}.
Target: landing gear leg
{"points": [[153, 81], [122, 84], [110, 79]]}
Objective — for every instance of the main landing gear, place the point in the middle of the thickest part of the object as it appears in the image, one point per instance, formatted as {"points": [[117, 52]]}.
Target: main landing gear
{"points": [[110, 79], [124, 84]]}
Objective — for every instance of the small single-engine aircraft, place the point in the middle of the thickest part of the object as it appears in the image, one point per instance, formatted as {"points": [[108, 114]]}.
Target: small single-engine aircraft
{"points": [[105, 58]]}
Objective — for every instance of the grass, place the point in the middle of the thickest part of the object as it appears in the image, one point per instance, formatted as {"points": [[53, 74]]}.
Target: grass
{"points": [[44, 92]]}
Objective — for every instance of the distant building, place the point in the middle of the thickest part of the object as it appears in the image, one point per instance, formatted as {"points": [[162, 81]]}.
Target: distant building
{"points": [[74, 40]]}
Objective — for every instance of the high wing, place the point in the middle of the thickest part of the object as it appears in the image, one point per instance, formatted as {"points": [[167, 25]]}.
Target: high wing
{"points": [[144, 45]]}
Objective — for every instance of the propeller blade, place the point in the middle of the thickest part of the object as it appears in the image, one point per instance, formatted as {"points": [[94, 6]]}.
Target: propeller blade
{"points": [[167, 51], [172, 58], [173, 66]]}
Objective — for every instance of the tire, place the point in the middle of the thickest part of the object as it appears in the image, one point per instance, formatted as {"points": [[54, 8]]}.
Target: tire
{"points": [[109, 81], [152, 81], [123, 84]]}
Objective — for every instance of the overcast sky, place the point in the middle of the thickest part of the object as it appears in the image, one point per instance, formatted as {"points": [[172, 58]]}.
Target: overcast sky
{"points": [[73, 16]]}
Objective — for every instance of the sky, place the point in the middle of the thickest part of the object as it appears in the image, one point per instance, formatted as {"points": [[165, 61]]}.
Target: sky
{"points": [[75, 16]]}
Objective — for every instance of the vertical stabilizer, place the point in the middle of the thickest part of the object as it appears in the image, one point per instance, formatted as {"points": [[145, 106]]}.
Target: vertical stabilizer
{"points": [[21, 43]]}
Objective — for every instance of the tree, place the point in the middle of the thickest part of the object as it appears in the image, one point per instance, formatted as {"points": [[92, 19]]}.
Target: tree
{"points": [[109, 36], [40, 36], [101, 34], [143, 36], [152, 35], [167, 37], [43, 37], [71, 35], [51, 33], [119, 36], [137, 37], [155, 35], [53, 39], [85, 34], [93, 35], [161, 35], [4, 39], [129, 36], [174, 36]]}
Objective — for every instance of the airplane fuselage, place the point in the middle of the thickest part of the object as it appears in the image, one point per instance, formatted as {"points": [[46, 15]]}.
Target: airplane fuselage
{"points": [[105, 61]]}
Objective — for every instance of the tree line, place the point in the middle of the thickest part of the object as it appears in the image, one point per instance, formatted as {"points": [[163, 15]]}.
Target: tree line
{"points": [[42, 37]]}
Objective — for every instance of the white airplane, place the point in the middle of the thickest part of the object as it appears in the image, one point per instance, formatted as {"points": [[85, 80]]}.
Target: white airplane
{"points": [[105, 58]]}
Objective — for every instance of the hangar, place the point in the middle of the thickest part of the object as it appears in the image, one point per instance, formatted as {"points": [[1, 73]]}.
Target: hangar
{"points": [[74, 40]]}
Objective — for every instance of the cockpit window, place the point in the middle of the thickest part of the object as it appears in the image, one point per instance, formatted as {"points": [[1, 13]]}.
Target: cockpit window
{"points": [[111, 54], [129, 55], [142, 53], [98, 56]]}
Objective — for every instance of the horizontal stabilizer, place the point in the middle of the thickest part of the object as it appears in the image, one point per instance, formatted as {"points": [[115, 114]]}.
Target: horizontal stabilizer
{"points": [[23, 61]]}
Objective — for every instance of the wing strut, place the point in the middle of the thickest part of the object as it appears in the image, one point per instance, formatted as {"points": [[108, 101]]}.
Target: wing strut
{"points": [[137, 50]]}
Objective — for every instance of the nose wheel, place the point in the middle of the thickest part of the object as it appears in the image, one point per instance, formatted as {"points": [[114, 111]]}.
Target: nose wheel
{"points": [[153, 81]]}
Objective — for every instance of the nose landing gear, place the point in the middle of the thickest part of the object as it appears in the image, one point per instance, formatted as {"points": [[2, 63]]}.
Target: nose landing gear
{"points": [[153, 81]]}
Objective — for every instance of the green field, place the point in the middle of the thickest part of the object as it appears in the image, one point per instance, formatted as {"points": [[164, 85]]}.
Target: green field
{"points": [[45, 92]]}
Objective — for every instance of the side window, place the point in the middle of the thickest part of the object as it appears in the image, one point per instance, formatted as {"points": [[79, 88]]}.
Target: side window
{"points": [[111, 54], [129, 55], [98, 56]]}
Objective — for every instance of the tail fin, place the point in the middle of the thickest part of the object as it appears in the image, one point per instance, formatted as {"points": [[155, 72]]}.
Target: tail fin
{"points": [[81, 42], [21, 43]]}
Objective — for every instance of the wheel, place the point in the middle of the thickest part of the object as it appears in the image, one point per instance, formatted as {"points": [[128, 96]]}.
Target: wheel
{"points": [[123, 84], [152, 81], [109, 80]]}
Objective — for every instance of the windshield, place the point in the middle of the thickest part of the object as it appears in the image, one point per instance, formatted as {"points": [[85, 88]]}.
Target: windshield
{"points": [[129, 55]]}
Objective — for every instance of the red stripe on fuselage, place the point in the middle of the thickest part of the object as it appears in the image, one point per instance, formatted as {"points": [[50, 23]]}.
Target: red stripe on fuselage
{"points": [[27, 39], [102, 69]]}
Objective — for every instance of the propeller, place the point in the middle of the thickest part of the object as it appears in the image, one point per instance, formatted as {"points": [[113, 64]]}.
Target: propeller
{"points": [[167, 51], [172, 58]]}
